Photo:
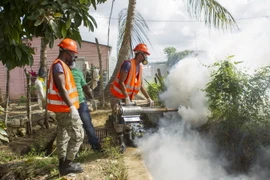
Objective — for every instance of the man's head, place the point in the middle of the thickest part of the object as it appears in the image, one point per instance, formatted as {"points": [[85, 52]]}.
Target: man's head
{"points": [[68, 49], [141, 53]]}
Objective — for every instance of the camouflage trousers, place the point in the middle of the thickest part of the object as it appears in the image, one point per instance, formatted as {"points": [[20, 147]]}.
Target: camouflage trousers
{"points": [[70, 136]]}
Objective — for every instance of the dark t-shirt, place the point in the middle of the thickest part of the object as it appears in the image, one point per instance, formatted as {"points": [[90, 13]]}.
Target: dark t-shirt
{"points": [[127, 65], [57, 68]]}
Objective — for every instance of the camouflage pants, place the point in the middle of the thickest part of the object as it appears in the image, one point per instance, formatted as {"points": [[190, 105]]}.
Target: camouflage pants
{"points": [[70, 136]]}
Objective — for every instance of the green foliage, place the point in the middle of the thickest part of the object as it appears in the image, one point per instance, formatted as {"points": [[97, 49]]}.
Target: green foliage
{"points": [[3, 133], [8, 156], [212, 13], [239, 109], [139, 31], [173, 56], [154, 90], [24, 19], [22, 100], [236, 96], [117, 170], [35, 167], [111, 149]]}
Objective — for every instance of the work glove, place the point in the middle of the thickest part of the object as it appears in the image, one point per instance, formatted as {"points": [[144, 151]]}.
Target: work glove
{"points": [[150, 101], [128, 102], [74, 114]]}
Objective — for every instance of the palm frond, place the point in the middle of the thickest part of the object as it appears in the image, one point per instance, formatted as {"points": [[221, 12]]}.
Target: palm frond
{"points": [[212, 13], [139, 32]]}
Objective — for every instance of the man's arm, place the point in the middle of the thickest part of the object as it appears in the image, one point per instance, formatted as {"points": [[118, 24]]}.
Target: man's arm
{"points": [[123, 76], [59, 79], [88, 91], [144, 92], [149, 100]]}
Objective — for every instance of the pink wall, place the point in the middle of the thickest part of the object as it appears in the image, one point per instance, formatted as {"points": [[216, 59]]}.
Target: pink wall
{"points": [[87, 50]]}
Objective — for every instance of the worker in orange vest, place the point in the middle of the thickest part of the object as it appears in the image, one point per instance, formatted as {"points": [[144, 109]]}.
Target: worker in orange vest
{"points": [[126, 85], [63, 99], [128, 81]]}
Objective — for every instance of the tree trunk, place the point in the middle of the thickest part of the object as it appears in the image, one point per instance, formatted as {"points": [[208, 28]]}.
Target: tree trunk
{"points": [[43, 63], [46, 121], [43, 53], [124, 51], [28, 106], [7, 96]]}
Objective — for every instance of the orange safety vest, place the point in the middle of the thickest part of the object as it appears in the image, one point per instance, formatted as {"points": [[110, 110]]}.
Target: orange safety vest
{"points": [[54, 101], [132, 82]]}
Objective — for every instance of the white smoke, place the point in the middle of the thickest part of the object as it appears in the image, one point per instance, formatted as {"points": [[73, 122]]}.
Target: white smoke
{"points": [[177, 152], [185, 83]]}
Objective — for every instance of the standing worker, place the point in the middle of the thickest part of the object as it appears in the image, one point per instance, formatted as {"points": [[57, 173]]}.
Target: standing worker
{"points": [[84, 112], [127, 84], [64, 101]]}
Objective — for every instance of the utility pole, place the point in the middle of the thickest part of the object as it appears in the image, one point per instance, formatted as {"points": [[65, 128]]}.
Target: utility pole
{"points": [[108, 42]]}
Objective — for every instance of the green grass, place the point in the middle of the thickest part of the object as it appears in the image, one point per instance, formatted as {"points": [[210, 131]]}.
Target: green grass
{"points": [[35, 165]]}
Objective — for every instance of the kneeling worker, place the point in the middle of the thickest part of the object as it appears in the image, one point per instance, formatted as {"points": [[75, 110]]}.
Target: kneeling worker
{"points": [[127, 84]]}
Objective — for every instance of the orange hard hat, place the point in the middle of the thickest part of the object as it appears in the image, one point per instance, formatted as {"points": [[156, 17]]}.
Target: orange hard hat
{"points": [[142, 48], [69, 44]]}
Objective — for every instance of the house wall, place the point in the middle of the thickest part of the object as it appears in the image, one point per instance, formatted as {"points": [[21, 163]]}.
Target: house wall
{"points": [[88, 50], [3, 71]]}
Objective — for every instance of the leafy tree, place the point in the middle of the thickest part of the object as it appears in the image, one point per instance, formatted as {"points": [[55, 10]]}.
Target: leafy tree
{"points": [[239, 110], [169, 51], [51, 20], [139, 31], [173, 56], [212, 13]]}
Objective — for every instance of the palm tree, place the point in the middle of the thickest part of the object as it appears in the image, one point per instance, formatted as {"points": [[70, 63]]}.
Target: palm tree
{"points": [[132, 29], [210, 11]]}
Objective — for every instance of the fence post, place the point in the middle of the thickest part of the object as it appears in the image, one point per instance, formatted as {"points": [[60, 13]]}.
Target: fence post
{"points": [[28, 105], [100, 75], [46, 122], [7, 96]]}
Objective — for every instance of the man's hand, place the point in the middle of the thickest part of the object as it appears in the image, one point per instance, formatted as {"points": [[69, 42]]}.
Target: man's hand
{"points": [[151, 102], [74, 114], [127, 101]]}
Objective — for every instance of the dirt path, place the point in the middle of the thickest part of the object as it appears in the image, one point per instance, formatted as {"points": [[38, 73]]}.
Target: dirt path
{"points": [[136, 169], [135, 165]]}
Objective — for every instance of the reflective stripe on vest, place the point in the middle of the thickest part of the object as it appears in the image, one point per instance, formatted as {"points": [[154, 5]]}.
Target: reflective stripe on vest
{"points": [[132, 87], [51, 91], [73, 100], [54, 101]]}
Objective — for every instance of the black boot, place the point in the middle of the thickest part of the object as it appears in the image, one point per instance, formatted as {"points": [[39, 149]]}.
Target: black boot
{"points": [[66, 167], [97, 147], [62, 161]]}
